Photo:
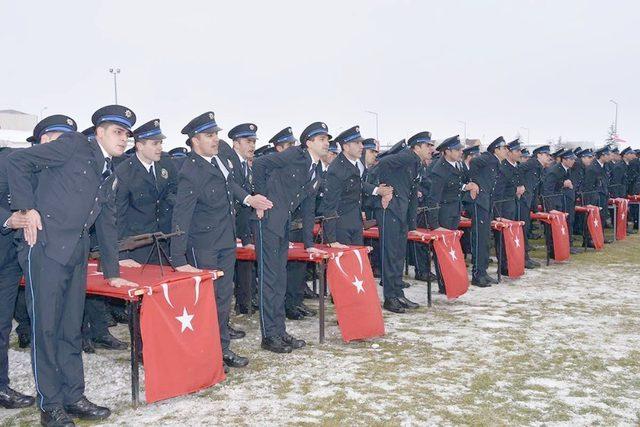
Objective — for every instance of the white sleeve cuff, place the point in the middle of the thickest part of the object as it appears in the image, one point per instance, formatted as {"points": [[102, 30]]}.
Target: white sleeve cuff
{"points": [[375, 191], [245, 201]]}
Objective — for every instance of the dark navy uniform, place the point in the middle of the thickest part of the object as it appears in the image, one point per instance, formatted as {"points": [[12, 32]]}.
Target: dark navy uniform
{"points": [[205, 211], [243, 176], [399, 168], [596, 189], [10, 271], [73, 173], [343, 195], [178, 156], [483, 171], [289, 179], [444, 201], [145, 196], [531, 173]]}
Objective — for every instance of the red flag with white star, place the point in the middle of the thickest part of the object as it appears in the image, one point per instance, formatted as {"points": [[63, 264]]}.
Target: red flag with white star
{"points": [[560, 235], [355, 295], [181, 340], [451, 262], [622, 206], [513, 240], [595, 226]]}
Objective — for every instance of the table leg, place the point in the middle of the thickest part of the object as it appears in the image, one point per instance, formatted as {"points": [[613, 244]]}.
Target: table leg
{"points": [[499, 253], [134, 333], [429, 249], [322, 279]]}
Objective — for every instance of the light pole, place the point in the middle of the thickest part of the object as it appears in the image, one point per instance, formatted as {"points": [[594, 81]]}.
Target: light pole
{"points": [[115, 72], [615, 122], [528, 134], [40, 117], [375, 114], [465, 130]]}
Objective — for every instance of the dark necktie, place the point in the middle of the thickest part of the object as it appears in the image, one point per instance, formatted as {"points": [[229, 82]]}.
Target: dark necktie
{"points": [[153, 176], [108, 170], [244, 168]]}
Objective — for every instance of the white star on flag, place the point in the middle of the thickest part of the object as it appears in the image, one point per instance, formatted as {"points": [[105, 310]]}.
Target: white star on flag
{"points": [[452, 253], [517, 242], [358, 284], [595, 223], [562, 229], [185, 320], [622, 217]]}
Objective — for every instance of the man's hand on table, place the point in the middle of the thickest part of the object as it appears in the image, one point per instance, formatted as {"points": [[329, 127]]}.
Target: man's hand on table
{"points": [[129, 263], [188, 269], [316, 251], [337, 245], [119, 282]]}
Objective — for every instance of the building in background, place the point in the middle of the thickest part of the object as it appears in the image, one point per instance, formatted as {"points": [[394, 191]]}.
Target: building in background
{"points": [[15, 128]]}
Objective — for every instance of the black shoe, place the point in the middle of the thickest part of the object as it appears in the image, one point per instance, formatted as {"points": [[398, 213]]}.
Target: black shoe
{"points": [[309, 312], [56, 417], [504, 272], [491, 280], [393, 305], [407, 303], [376, 273], [87, 346], [87, 410], [276, 345], [442, 291], [574, 251], [608, 241], [225, 367], [11, 399], [309, 294], [425, 277], [233, 360], [480, 282], [111, 321], [294, 314], [293, 342], [120, 316], [109, 342], [235, 334], [531, 264], [405, 285], [24, 340]]}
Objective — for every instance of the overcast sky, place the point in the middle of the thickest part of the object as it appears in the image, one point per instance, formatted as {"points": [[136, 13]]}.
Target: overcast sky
{"points": [[551, 66]]}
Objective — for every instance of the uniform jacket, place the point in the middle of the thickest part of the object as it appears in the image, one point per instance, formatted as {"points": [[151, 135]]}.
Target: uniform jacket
{"points": [[285, 179], [343, 193], [483, 171], [204, 208], [70, 195], [444, 200]]}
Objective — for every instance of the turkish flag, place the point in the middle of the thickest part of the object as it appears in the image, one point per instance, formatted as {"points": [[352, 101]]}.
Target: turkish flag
{"points": [[451, 262], [355, 294], [182, 350], [513, 240], [595, 226], [622, 206], [560, 234]]}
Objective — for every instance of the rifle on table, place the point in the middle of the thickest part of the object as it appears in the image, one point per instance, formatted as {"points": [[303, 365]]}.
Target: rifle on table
{"points": [[141, 240]]}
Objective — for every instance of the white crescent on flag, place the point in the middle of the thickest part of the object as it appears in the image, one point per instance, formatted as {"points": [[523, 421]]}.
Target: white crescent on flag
{"points": [[357, 252], [165, 291], [197, 280], [337, 258]]}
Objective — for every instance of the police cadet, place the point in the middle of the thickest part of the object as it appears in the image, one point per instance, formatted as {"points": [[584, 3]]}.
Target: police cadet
{"points": [[399, 168], [178, 155], [205, 211], [289, 180], [45, 131], [618, 184], [628, 158], [448, 182], [509, 187], [146, 193], [483, 171], [54, 252], [369, 159], [557, 188], [243, 137], [596, 190], [531, 173], [342, 202], [468, 154]]}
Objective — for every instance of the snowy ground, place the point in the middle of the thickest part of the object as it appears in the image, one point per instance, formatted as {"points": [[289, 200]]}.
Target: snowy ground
{"points": [[560, 346]]}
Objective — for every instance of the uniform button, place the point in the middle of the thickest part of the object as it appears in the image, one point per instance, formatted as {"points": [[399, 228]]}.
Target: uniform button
{"points": [[90, 212], [48, 216], [96, 199]]}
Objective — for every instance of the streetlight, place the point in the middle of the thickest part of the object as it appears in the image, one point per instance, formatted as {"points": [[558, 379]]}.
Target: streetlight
{"points": [[615, 123], [375, 114], [465, 130], [40, 117], [115, 72], [528, 134]]}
